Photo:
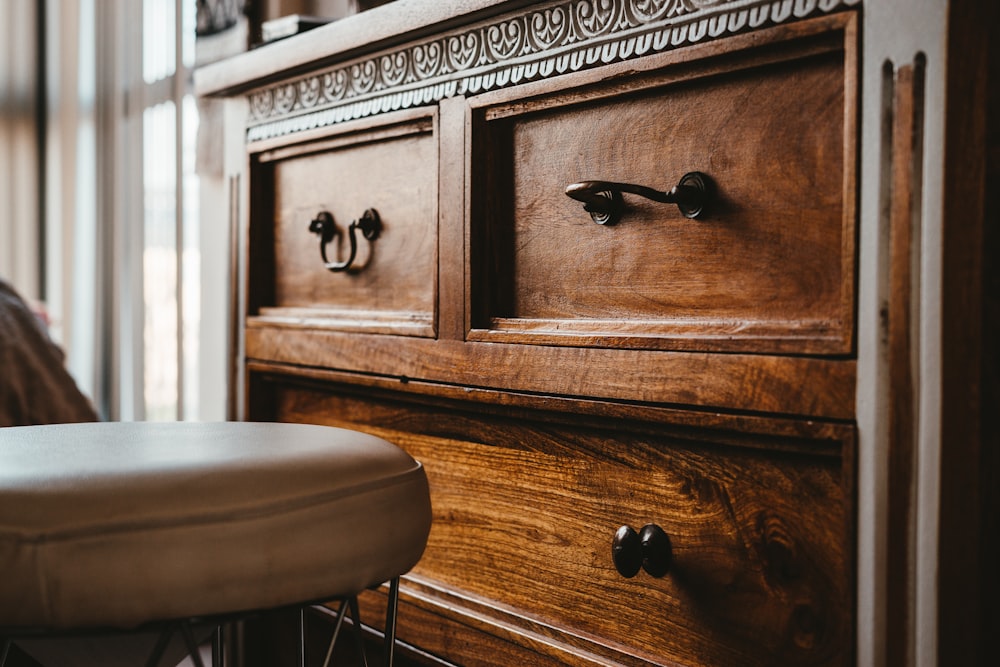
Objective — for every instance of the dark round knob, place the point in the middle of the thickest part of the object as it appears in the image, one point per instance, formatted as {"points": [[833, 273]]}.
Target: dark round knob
{"points": [[657, 553], [626, 552], [322, 225]]}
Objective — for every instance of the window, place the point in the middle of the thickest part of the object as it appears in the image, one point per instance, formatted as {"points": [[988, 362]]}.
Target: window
{"points": [[123, 259], [170, 252], [100, 201], [19, 141]]}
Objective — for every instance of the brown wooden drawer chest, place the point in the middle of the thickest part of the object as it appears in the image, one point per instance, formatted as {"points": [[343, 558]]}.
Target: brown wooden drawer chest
{"points": [[563, 379]]}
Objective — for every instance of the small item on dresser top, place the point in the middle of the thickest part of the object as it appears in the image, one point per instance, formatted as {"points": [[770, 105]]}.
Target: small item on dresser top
{"points": [[286, 26]]}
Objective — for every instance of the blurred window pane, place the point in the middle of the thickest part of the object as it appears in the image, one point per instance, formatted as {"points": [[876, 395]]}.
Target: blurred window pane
{"points": [[171, 257], [159, 259], [159, 54]]}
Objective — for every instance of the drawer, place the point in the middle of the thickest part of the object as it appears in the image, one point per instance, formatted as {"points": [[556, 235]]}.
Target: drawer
{"points": [[769, 266], [382, 173], [526, 505]]}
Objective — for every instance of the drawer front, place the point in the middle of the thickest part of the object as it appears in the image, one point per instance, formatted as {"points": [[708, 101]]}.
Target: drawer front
{"points": [[767, 267], [525, 512], [391, 284]]}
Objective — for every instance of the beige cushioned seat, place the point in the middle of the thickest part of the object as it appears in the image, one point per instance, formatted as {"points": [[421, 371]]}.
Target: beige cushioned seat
{"points": [[119, 524]]}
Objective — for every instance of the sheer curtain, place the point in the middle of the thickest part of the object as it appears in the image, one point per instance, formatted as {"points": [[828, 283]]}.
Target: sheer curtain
{"points": [[100, 200], [122, 240], [20, 141]]}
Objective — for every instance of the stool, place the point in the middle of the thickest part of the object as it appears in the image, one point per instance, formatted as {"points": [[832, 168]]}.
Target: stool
{"points": [[127, 525]]}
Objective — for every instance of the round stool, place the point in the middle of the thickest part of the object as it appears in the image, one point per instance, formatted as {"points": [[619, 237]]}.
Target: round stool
{"points": [[120, 525]]}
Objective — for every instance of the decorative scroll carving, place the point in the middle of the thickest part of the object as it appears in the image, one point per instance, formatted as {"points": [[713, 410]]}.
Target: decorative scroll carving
{"points": [[560, 37]]}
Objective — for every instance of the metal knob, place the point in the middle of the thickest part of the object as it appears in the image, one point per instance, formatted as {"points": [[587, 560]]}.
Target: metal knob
{"points": [[649, 549], [626, 552], [657, 552]]}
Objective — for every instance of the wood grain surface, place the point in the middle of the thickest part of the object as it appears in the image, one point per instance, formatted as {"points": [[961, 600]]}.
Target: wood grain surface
{"points": [[526, 506], [730, 382], [559, 379], [393, 281], [768, 267]]}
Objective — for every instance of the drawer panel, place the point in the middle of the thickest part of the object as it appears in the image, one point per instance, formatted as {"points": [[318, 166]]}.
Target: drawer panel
{"points": [[391, 285], [526, 505], [768, 267]]}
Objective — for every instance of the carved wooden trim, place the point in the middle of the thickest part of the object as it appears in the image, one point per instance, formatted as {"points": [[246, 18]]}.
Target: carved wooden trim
{"points": [[905, 181], [555, 38]]}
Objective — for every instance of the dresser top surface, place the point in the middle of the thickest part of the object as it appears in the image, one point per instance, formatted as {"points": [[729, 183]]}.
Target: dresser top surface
{"points": [[424, 43], [365, 32]]}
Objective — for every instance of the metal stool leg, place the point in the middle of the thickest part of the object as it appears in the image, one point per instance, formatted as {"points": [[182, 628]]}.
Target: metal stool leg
{"points": [[390, 622], [341, 612], [192, 646], [4, 650], [390, 626], [358, 632], [160, 647], [217, 639], [302, 637], [194, 652]]}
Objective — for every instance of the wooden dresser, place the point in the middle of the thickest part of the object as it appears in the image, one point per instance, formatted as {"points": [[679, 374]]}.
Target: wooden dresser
{"points": [[640, 432]]}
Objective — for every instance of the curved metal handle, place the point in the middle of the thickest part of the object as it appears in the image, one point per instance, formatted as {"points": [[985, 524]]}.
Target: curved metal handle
{"points": [[603, 199], [323, 226]]}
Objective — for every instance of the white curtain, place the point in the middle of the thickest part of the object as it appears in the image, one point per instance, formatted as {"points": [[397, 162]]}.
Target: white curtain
{"points": [[20, 257], [99, 200]]}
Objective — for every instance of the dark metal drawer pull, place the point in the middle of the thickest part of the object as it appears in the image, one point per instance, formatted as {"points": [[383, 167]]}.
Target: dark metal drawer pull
{"points": [[626, 552], [657, 552], [649, 549], [323, 226], [603, 199]]}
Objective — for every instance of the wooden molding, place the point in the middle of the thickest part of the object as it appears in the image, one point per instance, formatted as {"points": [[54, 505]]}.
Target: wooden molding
{"points": [[906, 180], [556, 38]]}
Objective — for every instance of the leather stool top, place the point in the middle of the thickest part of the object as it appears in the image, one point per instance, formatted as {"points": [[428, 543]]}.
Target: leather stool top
{"points": [[113, 525]]}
